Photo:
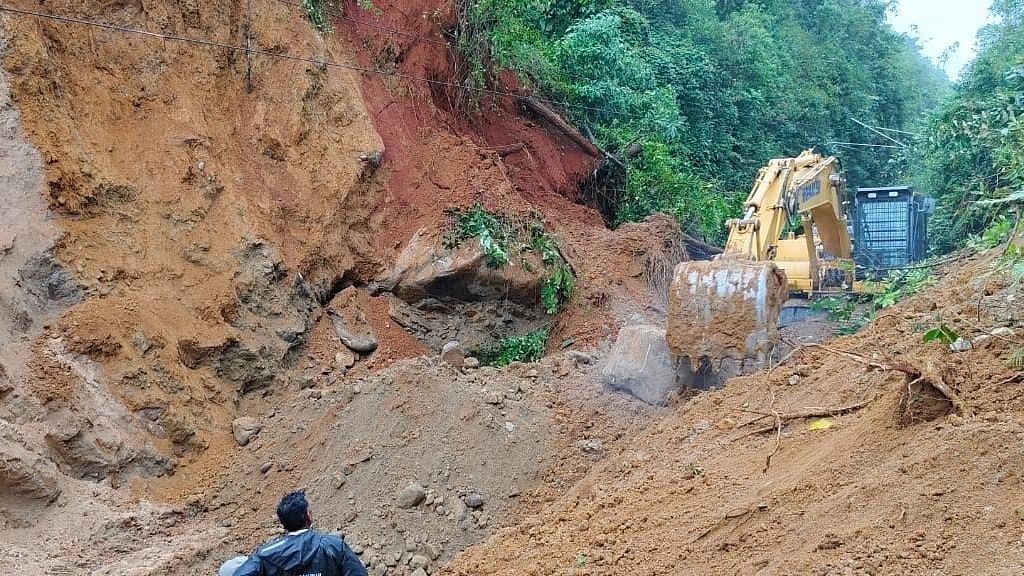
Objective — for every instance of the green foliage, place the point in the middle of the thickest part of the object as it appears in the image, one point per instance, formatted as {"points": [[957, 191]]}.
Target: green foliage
{"points": [[318, 14], [854, 312], [710, 91], [496, 237], [941, 333], [502, 239], [973, 149], [528, 348]]}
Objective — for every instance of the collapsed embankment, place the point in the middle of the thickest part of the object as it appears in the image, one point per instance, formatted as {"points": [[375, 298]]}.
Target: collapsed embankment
{"points": [[191, 223], [898, 479]]}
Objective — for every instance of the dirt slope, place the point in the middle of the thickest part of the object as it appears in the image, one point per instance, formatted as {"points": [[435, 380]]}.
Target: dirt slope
{"points": [[887, 490]]}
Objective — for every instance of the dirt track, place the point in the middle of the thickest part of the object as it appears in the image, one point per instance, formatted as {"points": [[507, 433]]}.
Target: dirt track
{"points": [[200, 232]]}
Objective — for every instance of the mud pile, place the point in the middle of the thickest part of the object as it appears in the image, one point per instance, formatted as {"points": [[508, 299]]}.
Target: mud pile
{"points": [[899, 480]]}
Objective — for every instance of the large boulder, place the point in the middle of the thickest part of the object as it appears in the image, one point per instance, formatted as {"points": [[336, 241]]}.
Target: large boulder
{"points": [[425, 268], [640, 363]]}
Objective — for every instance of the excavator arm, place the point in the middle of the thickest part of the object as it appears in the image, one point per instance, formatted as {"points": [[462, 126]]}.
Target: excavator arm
{"points": [[729, 307]]}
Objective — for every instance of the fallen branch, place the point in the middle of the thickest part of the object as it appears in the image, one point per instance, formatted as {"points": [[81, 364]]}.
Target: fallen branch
{"points": [[504, 151], [809, 413], [533, 105]]}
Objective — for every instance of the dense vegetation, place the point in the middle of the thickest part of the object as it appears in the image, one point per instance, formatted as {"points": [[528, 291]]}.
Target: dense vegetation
{"points": [[973, 151], [706, 92]]}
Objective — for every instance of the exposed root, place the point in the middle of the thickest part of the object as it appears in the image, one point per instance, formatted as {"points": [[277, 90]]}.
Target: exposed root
{"points": [[913, 375]]}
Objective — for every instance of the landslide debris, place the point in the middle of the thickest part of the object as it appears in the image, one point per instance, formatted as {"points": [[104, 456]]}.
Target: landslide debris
{"points": [[879, 487]]}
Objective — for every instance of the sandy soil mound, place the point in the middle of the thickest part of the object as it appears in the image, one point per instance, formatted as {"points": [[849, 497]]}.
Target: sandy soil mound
{"points": [[906, 484]]}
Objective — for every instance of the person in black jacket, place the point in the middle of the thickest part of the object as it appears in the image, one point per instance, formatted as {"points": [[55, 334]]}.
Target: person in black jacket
{"points": [[302, 551]]}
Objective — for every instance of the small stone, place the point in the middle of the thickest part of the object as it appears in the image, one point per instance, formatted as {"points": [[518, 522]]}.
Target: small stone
{"points": [[580, 357], [357, 549], [474, 499], [794, 379], [244, 429], [495, 398], [509, 427], [315, 394], [266, 467], [961, 345], [433, 551], [339, 481], [453, 354], [410, 496], [441, 510], [419, 561], [419, 572], [344, 359], [471, 363], [357, 389], [532, 373]]}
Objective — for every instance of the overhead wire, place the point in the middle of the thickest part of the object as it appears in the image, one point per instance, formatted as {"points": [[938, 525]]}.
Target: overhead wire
{"points": [[318, 62]]}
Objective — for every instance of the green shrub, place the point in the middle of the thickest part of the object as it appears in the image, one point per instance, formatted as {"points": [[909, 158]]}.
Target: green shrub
{"points": [[528, 348], [503, 239]]}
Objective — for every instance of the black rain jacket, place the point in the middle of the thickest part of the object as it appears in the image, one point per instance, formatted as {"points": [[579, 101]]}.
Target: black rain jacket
{"points": [[306, 553]]}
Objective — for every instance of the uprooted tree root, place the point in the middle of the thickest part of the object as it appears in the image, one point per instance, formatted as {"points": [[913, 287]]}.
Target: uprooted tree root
{"points": [[926, 396]]}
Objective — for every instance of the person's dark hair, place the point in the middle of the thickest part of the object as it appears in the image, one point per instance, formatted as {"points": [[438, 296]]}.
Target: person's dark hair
{"points": [[292, 511]]}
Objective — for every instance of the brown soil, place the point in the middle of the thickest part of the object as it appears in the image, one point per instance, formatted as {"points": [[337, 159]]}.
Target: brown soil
{"points": [[884, 491], [189, 234]]}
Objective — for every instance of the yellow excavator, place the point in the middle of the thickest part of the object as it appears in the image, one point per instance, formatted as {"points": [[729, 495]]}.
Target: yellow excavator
{"points": [[793, 238]]}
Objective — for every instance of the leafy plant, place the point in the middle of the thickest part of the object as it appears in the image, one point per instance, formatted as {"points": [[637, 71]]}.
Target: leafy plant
{"points": [[941, 333], [318, 14], [527, 348]]}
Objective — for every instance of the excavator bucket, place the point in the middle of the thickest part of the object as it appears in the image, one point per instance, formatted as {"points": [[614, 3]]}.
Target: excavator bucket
{"points": [[724, 309]]}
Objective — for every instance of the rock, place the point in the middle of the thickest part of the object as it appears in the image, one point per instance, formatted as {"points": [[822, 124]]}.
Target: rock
{"points": [[640, 363], [453, 355], [26, 477], [432, 551], [532, 373], [244, 429], [961, 345], [410, 496], [419, 572], [426, 269], [419, 562], [794, 379], [344, 359], [474, 500], [580, 357], [266, 467], [315, 394], [350, 324], [471, 363]]}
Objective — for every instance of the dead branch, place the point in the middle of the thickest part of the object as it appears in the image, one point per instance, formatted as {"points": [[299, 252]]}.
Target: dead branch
{"points": [[504, 151], [807, 413], [533, 105]]}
